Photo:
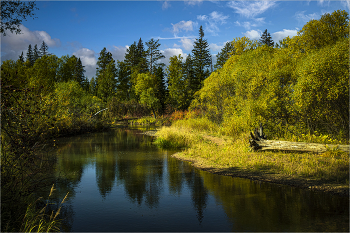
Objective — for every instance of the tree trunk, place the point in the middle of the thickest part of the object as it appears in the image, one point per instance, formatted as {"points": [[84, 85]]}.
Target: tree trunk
{"points": [[258, 142]]}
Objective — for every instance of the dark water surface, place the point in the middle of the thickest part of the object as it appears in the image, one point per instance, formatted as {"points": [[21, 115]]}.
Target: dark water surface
{"points": [[119, 181]]}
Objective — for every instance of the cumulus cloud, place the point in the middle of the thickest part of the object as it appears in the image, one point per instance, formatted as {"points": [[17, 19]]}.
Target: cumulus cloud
{"points": [[214, 47], [13, 44], [212, 21], [183, 26], [253, 34], [277, 36], [250, 9], [118, 52], [169, 52], [187, 43], [89, 60]]}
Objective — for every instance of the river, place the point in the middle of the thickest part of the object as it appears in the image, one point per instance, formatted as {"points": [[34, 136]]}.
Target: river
{"points": [[119, 181]]}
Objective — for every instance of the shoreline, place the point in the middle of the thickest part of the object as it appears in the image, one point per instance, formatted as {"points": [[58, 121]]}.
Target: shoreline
{"points": [[335, 189]]}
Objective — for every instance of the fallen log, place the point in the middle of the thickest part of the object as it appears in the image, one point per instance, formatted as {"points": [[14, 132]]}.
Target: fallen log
{"points": [[258, 142]]}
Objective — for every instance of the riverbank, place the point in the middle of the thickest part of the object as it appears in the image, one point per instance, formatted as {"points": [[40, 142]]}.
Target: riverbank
{"points": [[223, 155]]}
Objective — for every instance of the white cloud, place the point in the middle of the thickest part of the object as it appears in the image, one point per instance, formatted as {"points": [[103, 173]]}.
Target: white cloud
{"points": [[88, 59], [187, 43], [250, 9], [346, 4], [202, 17], [212, 21], [13, 44], [165, 5], [118, 52], [193, 2], [300, 16], [253, 34], [183, 26], [169, 52], [214, 47], [277, 36]]}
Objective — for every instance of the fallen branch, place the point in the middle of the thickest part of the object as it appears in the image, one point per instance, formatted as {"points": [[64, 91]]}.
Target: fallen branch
{"points": [[258, 142]]}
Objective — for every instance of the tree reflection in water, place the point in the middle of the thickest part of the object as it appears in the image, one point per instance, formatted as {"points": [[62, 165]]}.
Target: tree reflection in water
{"points": [[126, 161]]}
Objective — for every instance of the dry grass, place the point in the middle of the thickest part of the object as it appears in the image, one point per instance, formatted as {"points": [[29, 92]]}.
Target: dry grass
{"points": [[228, 155]]}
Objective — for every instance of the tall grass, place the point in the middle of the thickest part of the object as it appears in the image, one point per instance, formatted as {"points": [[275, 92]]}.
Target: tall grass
{"points": [[207, 145]]}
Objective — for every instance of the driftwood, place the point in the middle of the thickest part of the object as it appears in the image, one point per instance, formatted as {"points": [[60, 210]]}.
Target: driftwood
{"points": [[258, 142]]}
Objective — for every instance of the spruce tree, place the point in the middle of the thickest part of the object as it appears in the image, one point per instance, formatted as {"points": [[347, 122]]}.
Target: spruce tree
{"points": [[79, 72], [21, 58], [123, 81], [266, 39], [30, 55], [223, 55], [161, 91], [36, 54], [44, 49], [153, 54], [201, 61], [141, 57], [106, 74]]}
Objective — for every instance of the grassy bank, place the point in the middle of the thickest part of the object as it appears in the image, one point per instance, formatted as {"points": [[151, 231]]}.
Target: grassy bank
{"points": [[208, 148]]}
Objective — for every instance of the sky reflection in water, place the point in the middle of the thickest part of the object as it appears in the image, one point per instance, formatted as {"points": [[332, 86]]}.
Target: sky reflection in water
{"points": [[119, 181]]}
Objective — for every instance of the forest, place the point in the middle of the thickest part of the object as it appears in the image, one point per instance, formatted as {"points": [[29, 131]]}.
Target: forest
{"points": [[296, 87]]}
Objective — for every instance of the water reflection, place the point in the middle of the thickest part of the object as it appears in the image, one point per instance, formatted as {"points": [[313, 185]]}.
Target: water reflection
{"points": [[118, 181]]}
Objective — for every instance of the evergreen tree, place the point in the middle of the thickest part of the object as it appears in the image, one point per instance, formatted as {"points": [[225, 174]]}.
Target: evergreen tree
{"points": [[153, 54], [201, 60], [106, 74], [79, 71], [36, 53], [223, 55], [176, 84], [93, 87], [44, 49], [141, 57], [266, 39], [161, 91], [21, 58], [123, 81], [189, 79], [30, 55]]}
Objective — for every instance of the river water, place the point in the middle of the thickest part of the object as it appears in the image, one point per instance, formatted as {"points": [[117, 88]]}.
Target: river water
{"points": [[119, 181]]}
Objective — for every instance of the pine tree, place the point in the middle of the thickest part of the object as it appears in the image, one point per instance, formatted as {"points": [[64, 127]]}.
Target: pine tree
{"points": [[223, 55], [123, 81], [161, 91], [141, 57], [44, 49], [36, 53], [189, 79], [201, 60], [30, 55], [153, 54], [106, 74], [79, 72], [21, 58], [266, 39]]}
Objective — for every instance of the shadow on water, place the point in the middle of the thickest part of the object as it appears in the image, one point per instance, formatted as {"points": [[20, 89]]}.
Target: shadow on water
{"points": [[119, 181]]}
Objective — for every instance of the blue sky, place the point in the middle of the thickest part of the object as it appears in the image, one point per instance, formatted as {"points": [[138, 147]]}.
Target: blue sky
{"points": [[84, 28]]}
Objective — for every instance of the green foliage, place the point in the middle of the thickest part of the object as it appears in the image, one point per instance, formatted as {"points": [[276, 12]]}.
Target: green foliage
{"points": [[266, 39], [293, 89], [176, 83], [145, 89], [106, 74], [153, 54], [201, 61], [321, 94], [13, 13], [223, 55]]}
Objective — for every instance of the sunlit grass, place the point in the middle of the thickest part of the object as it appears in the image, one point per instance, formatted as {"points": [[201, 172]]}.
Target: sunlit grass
{"points": [[207, 148]]}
